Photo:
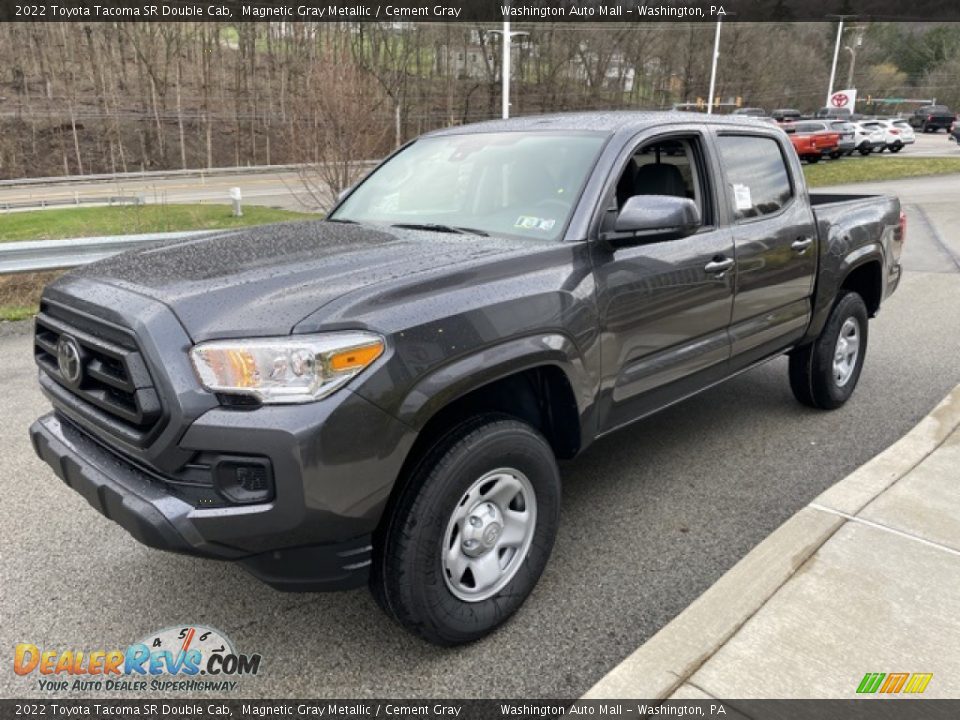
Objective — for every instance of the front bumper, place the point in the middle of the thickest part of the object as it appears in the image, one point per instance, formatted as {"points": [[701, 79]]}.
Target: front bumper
{"points": [[314, 535]]}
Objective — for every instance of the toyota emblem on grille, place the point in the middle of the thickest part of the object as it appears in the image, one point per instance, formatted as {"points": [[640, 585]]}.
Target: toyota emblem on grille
{"points": [[68, 360]]}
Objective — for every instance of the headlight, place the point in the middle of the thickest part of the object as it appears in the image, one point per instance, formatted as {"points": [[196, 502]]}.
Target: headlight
{"points": [[293, 369]]}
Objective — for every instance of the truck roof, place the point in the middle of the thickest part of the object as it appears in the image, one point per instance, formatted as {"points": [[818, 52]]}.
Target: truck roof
{"points": [[598, 121]]}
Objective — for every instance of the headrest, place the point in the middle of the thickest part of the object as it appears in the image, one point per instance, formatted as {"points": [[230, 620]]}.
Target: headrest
{"points": [[659, 179]]}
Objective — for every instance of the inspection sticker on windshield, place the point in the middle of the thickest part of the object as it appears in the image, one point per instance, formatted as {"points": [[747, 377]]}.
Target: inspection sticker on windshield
{"points": [[741, 196], [528, 222]]}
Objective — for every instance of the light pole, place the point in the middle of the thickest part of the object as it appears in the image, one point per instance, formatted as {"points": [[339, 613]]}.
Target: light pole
{"points": [[853, 62], [857, 44], [713, 68], [505, 66]]}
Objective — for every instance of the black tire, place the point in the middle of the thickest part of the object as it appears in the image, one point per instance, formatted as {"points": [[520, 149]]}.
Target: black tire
{"points": [[407, 576], [811, 366], [834, 155], [813, 158], [896, 148], [864, 150]]}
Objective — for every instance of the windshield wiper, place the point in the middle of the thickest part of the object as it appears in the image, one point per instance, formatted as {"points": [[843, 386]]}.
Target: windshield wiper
{"points": [[440, 227], [345, 221]]}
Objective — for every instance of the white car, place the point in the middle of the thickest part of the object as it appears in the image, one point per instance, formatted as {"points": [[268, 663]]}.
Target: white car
{"points": [[896, 133], [869, 139]]}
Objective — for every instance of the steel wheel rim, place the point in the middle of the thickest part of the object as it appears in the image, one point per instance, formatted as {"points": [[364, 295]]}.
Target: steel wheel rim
{"points": [[488, 535], [846, 352]]}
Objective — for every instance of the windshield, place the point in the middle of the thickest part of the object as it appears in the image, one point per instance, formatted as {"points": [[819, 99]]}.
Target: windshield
{"points": [[516, 184]]}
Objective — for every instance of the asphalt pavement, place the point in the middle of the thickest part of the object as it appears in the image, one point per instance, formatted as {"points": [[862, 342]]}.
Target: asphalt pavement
{"points": [[652, 516]]}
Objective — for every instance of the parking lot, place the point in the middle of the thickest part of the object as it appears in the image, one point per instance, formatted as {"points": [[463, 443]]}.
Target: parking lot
{"points": [[652, 516], [927, 145]]}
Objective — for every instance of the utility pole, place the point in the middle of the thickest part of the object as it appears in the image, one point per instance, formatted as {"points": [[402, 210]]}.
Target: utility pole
{"points": [[713, 68]]}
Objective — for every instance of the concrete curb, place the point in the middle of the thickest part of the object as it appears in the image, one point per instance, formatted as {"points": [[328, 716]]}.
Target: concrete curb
{"points": [[661, 665]]}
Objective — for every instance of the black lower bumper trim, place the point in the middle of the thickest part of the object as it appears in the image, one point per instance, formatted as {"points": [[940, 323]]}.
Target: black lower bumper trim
{"points": [[315, 568], [131, 504]]}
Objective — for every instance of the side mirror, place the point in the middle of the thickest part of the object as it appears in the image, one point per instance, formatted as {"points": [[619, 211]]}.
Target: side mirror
{"points": [[648, 218]]}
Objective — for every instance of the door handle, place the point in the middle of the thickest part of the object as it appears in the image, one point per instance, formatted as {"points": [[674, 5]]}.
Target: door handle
{"points": [[801, 244], [718, 266]]}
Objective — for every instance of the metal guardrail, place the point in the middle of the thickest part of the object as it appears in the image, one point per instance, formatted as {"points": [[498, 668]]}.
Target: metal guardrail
{"points": [[162, 174], [38, 255], [76, 201]]}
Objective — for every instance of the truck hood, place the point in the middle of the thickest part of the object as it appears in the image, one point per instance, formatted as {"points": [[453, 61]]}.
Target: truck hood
{"points": [[263, 280]]}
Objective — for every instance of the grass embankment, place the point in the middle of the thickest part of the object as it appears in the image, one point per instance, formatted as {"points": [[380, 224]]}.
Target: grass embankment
{"points": [[876, 169], [20, 294], [91, 222]]}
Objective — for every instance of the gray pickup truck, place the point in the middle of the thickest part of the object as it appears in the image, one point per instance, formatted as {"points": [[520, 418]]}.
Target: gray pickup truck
{"points": [[382, 396]]}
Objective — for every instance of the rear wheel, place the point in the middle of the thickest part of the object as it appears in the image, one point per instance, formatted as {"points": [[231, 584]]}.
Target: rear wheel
{"points": [[824, 373], [471, 531], [864, 149], [813, 158], [896, 148], [835, 154]]}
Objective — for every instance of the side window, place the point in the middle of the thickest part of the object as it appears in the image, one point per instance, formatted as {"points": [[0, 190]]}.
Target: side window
{"points": [[757, 173], [665, 167]]}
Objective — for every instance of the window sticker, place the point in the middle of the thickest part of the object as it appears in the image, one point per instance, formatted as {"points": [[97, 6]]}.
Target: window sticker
{"points": [[741, 197], [529, 222]]}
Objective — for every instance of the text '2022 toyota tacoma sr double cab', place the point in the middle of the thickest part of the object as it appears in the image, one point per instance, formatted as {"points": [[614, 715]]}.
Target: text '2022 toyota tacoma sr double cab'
{"points": [[382, 396]]}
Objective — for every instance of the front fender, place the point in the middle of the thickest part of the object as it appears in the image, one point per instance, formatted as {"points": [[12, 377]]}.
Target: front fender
{"points": [[467, 373]]}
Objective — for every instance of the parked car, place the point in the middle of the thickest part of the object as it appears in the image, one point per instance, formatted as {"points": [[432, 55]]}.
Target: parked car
{"points": [[868, 139], [786, 114], [824, 142], [931, 118], [847, 143], [833, 113], [382, 396], [751, 111], [896, 133]]}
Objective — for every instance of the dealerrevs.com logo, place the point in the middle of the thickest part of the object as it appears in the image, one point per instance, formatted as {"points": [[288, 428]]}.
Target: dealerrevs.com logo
{"points": [[178, 659]]}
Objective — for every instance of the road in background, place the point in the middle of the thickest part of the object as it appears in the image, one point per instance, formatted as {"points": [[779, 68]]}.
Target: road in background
{"points": [[652, 516]]}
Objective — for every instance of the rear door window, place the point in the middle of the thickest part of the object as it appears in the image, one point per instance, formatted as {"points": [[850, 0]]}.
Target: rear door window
{"points": [[756, 173]]}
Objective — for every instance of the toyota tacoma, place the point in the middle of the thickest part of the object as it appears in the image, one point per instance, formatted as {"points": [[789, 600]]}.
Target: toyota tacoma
{"points": [[381, 397]]}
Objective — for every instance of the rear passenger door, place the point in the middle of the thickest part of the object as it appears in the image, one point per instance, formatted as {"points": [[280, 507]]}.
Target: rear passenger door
{"points": [[774, 244]]}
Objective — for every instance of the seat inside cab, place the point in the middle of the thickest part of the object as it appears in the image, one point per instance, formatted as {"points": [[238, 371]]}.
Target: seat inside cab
{"points": [[666, 167]]}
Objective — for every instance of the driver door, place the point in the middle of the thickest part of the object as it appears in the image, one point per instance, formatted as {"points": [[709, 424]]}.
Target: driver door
{"points": [[664, 306]]}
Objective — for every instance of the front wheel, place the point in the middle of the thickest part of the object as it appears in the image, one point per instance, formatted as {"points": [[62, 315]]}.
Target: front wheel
{"points": [[864, 150], [824, 373], [896, 148], [471, 531]]}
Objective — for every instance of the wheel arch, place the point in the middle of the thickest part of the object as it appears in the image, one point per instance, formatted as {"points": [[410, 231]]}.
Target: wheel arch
{"points": [[546, 389]]}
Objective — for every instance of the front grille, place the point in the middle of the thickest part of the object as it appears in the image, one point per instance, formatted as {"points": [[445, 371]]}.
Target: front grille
{"points": [[111, 386]]}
